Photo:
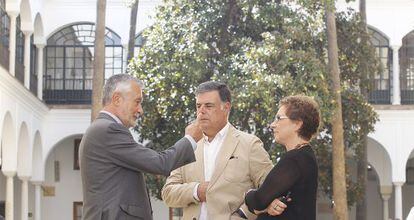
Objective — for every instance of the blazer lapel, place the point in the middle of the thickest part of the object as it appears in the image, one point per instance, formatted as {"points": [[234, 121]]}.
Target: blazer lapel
{"points": [[199, 165], [226, 150]]}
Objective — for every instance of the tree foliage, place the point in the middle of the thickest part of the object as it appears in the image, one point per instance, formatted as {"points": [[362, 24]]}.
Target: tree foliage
{"points": [[264, 50]]}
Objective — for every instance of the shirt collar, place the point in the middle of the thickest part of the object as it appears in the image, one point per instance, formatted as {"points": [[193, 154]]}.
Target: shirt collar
{"points": [[220, 134], [113, 116]]}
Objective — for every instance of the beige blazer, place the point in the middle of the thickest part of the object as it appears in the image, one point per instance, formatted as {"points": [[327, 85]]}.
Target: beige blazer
{"points": [[241, 164]]}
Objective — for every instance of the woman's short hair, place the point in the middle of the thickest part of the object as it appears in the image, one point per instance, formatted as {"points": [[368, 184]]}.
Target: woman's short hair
{"points": [[305, 109]]}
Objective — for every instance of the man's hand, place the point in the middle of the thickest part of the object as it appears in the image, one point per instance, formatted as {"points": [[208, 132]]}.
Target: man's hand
{"points": [[194, 131], [276, 207], [201, 191]]}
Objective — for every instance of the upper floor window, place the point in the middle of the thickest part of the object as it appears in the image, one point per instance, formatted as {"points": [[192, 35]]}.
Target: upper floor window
{"points": [[407, 69], [4, 35], [19, 71], [139, 43], [381, 92], [69, 63]]}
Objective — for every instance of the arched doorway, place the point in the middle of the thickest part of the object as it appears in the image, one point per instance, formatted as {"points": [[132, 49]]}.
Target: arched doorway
{"points": [[379, 187], [62, 183], [408, 187]]}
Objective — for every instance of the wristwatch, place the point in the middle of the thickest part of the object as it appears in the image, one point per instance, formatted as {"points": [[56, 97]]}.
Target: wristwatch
{"points": [[241, 214]]}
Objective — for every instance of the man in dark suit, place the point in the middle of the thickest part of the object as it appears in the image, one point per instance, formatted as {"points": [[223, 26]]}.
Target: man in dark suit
{"points": [[112, 163]]}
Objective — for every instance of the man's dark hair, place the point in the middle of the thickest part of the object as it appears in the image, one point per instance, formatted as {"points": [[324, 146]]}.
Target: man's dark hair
{"points": [[222, 88]]}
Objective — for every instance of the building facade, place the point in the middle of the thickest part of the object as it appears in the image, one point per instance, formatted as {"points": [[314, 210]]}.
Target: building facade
{"points": [[46, 55]]}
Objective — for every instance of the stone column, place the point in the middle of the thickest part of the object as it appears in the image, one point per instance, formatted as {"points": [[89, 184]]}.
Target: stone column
{"points": [[396, 98], [25, 197], [398, 200], [27, 35], [386, 192], [38, 190], [40, 63], [9, 194], [12, 43]]}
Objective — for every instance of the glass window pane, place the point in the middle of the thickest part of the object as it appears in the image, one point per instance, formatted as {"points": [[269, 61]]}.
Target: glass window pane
{"points": [[59, 51], [50, 63], [70, 51], [70, 63], [79, 62], [59, 62], [58, 74], [50, 51]]}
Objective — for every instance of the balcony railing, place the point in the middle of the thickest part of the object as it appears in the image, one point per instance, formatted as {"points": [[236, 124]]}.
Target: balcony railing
{"points": [[380, 97], [67, 91], [407, 97], [67, 96]]}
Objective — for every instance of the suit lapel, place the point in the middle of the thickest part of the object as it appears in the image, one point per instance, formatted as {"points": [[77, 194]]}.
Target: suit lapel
{"points": [[226, 150]]}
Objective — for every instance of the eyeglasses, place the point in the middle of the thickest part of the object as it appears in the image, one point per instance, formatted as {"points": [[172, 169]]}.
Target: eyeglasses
{"points": [[280, 117]]}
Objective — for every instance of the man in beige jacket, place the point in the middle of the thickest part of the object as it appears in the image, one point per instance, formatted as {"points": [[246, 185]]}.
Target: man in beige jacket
{"points": [[229, 162]]}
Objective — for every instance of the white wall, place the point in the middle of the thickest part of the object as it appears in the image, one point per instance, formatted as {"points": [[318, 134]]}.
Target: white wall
{"points": [[161, 211], [58, 13], [68, 189]]}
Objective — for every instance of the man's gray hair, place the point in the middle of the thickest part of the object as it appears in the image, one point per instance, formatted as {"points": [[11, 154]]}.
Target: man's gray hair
{"points": [[118, 82], [221, 88]]}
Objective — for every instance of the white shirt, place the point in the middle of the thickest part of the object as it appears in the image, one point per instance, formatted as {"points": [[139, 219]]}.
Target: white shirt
{"points": [[211, 150]]}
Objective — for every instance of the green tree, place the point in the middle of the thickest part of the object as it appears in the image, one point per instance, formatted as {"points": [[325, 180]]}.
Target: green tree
{"points": [[264, 50], [132, 28], [361, 206], [338, 146]]}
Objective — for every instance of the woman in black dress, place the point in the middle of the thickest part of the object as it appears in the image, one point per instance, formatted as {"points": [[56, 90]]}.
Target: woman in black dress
{"points": [[296, 173]]}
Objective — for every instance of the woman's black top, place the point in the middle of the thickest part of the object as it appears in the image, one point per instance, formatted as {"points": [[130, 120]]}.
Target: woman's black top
{"points": [[297, 172]]}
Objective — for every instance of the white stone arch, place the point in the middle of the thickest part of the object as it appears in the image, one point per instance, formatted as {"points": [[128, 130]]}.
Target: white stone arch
{"points": [[410, 163], [9, 144], [57, 144], [80, 22], [13, 6], [37, 159], [379, 158], [24, 158], [39, 37], [379, 31], [26, 16]]}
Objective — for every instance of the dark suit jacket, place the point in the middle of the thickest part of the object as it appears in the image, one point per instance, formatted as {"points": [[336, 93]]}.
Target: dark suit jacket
{"points": [[112, 166], [297, 172]]}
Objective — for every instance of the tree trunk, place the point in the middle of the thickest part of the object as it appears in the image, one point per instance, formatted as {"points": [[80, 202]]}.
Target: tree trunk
{"points": [[361, 206], [338, 156], [132, 30], [99, 59]]}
